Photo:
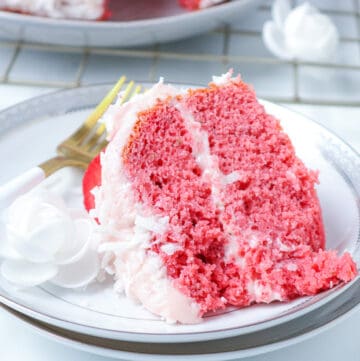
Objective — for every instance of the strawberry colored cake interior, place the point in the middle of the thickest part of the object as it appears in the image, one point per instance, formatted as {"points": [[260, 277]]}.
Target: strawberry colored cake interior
{"points": [[203, 204]]}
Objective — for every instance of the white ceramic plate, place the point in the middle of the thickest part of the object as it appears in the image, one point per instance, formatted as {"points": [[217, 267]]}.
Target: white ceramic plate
{"points": [[244, 346], [46, 120], [132, 23]]}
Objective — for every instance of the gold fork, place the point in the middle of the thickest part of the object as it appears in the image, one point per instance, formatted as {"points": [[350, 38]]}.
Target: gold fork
{"points": [[77, 150]]}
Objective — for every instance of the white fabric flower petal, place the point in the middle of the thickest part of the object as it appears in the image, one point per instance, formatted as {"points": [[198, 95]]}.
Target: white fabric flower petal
{"points": [[41, 245], [6, 248], [275, 41], [62, 183], [79, 273], [310, 35], [75, 247], [44, 236], [26, 274], [279, 11], [301, 33]]}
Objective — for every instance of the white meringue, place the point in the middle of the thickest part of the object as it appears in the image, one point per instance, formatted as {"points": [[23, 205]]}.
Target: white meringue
{"points": [[46, 241], [301, 33]]}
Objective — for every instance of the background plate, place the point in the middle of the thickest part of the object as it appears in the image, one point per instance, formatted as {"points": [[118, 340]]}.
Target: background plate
{"points": [[48, 119], [137, 22]]}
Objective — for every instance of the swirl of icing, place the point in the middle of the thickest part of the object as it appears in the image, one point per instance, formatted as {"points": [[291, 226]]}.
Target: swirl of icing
{"points": [[301, 33], [46, 241]]}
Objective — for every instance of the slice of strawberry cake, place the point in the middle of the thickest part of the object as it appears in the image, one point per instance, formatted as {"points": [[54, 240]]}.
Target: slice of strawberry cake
{"points": [[203, 204], [69, 9]]}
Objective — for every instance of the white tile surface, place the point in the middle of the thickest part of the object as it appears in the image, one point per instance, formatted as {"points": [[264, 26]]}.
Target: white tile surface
{"points": [[347, 53], [212, 43], [185, 71], [248, 45], [6, 55], [106, 68], [342, 5], [252, 22], [346, 24], [45, 66], [268, 80], [329, 84]]}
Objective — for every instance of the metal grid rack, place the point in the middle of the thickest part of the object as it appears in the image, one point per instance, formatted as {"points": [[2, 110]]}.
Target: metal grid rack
{"points": [[238, 45]]}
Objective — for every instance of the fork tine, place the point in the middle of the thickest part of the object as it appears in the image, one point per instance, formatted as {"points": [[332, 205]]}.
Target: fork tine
{"points": [[137, 90], [93, 143], [83, 131], [99, 147], [127, 92], [106, 102], [95, 137]]}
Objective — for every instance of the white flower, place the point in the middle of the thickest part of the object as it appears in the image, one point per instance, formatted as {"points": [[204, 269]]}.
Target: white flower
{"points": [[46, 241], [302, 33]]}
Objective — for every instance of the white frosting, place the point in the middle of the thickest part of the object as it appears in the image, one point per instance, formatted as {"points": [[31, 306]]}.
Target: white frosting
{"points": [[262, 293], [128, 227], [302, 33], [222, 79], [170, 248], [143, 278], [292, 267], [231, 177], [232, 252], [211, 173], [207, 162], [72, 9], [44, 240]]}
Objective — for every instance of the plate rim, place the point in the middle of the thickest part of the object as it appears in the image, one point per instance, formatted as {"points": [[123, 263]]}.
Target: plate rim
{"points": [[108, 24], [169, 337], [50, 332]]}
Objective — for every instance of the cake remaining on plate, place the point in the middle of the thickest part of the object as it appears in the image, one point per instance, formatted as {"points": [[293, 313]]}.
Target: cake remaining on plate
{"points": [[69, 9], [203, 204], [81, 9]]}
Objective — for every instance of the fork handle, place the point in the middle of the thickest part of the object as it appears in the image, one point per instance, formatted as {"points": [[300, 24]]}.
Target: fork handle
{"points": [[20, 185]]}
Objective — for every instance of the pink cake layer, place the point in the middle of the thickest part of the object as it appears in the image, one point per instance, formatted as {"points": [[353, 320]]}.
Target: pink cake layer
{"points": [[262, 238]]}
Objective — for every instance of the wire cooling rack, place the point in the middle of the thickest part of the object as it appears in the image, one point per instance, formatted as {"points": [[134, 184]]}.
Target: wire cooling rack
{"points": [[237, 45]]}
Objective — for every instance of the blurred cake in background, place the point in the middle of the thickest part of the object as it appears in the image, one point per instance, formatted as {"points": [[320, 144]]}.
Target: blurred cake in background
{"points": [[81, 9], [69, 9]]}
